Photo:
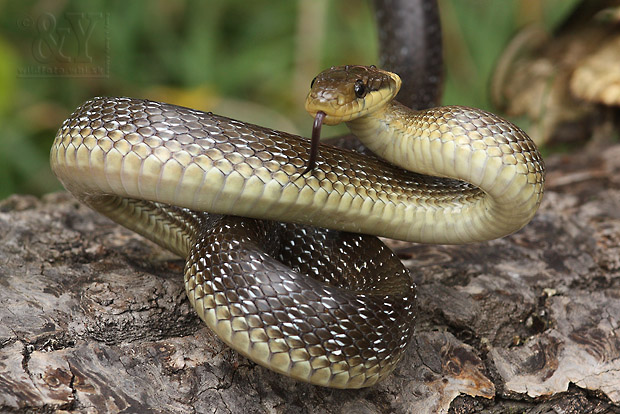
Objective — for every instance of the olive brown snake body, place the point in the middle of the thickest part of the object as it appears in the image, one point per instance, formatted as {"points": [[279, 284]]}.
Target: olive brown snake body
{"points": [[155, 168]]}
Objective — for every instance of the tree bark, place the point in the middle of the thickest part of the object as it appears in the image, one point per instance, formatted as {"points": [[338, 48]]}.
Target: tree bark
{"points": [[94, 318]]}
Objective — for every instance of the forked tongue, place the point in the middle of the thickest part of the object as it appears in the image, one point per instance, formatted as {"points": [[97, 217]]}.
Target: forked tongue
{"points": [[314, 143]]}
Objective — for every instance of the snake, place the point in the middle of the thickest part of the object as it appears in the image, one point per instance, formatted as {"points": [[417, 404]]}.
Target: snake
{"points": [[284, 266]]}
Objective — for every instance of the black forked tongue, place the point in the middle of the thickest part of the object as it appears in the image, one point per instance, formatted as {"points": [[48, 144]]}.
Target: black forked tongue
{"points": [[314, 144]]}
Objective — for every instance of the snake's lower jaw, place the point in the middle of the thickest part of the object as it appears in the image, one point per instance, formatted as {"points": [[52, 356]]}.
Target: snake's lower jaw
{"points": [[331, 121]]}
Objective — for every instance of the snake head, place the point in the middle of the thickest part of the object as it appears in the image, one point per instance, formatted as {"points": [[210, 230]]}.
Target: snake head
{"points": [[349, 92]]}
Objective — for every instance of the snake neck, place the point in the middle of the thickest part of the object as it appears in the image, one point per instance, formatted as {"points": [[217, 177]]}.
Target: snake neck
{"points": [[384, 130], [475, 147], [404, 137]]}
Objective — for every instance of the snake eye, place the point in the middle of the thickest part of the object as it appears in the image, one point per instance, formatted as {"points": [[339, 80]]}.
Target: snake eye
{"points": [[312, 83], [359, 88]]}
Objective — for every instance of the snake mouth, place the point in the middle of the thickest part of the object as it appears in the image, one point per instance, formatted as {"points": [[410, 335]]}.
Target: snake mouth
{"points": [[331, 117], [337, 109]]}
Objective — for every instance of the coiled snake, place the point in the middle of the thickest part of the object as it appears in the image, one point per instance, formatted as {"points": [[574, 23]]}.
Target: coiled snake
{"points": [[155, 168]]}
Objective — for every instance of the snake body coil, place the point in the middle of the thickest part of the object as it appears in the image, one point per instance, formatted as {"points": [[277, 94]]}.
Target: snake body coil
{"points": [[155, 168]]}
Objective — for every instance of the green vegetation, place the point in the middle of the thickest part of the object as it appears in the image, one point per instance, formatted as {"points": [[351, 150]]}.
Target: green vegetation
{"points": [[251, 60]]}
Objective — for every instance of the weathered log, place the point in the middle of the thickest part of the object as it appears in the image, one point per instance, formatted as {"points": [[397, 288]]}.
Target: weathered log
{"points": [[94, 318]]}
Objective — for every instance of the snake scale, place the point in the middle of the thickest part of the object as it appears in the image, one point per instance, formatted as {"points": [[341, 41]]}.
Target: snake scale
{"points": [[158, 168]]}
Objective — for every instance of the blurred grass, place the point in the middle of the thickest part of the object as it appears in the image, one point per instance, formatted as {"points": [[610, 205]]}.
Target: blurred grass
{"points": [[248, 60]]}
